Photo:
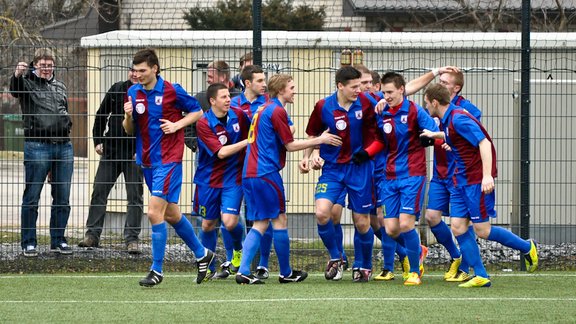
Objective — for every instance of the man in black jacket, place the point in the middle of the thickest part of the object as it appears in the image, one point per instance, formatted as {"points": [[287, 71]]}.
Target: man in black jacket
{"points": [[47, 148], [117, 150]]}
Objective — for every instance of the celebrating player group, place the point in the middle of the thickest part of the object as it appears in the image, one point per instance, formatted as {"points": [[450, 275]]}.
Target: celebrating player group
{"points": [[368, 139]]}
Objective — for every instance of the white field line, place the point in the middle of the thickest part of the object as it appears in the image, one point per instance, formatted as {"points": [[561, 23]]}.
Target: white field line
{"points": [[280, 300]]}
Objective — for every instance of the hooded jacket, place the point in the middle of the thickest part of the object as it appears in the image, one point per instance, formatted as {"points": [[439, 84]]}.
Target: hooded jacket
{"points": [[44, 105]]}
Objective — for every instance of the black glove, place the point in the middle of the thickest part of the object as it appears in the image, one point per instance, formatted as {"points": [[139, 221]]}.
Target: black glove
{"points": [[426, 141], [190, 139], [360, 157], [191, 143]]}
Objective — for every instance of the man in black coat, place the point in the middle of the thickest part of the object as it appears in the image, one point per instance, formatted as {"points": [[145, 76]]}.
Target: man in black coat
{"points": [[116, 149]]}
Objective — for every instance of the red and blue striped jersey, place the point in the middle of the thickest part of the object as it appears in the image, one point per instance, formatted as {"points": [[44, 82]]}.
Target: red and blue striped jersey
{"points": [[380, 157], [443, 161], [356, 126], [212, 136], [268, 135], [464, 134], [165, 101], [401, 127], [248, 107]]}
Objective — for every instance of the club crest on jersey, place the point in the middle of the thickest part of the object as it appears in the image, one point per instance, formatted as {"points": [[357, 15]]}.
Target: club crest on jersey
{"points": [[341, 125], [404, 119], [358, 114], [140, 108], [387, 128], [158, 100], [236, 127], [223, 139]]}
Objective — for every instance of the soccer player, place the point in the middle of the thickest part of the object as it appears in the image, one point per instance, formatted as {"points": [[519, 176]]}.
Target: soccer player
{"points": [[349, 114], [402, 191], [474, 173], [254, 94], [388, 244], [441, 185], [222, 133], [153, 113], [268, 140], [253, 97]]}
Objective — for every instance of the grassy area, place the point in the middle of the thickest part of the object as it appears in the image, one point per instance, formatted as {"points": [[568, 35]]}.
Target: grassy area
{"points": [[544, 297]]}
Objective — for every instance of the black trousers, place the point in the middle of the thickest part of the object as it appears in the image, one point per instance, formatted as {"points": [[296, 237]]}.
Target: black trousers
{"points": [[106, 176]]}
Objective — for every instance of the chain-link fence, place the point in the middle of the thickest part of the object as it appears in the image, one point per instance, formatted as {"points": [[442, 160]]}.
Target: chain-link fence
{"points": [[89, 62]]}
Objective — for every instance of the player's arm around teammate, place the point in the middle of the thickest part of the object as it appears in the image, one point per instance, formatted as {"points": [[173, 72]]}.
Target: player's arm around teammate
{"points": [[268, 140], [222, 134], [474, 198]]}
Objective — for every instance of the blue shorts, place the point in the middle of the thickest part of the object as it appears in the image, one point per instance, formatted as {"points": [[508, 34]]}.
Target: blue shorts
{"points": [[439, 193], [211, 203], [264, 197], [403, 196], [164, 181], [342, 198], [470, 202], [355, 180]]}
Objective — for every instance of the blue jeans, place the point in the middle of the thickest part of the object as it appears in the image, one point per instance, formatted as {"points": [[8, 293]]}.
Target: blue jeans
{"points": [[39, 159]]}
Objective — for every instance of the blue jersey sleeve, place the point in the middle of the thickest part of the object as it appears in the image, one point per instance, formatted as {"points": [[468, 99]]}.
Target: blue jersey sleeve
{"points": [[473, 110], [425, 121], [468, 128], [185, 101]]}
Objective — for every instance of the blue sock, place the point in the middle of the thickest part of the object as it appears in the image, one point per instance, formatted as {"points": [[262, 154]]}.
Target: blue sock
{"points": [[358, 253], [209, 240], [401, 247], [282, 247], [228, 242], [159, 238], [388, 249], [237, 236], [471, 252], [367, 240], [401, 251], [251, 245], [184, 229], [339, 237], [400, 240], [378, 233], [508, 239], [464, 265], [413, 248], [340, 240], [266, 247], [328, 236], [444, 236]]}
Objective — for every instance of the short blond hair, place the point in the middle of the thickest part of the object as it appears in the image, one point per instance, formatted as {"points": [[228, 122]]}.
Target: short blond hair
{"points": [[277, 83], [362, 68]]}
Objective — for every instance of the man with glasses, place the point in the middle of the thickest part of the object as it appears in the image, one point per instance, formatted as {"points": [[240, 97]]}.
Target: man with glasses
{"points": [[47, 148]]}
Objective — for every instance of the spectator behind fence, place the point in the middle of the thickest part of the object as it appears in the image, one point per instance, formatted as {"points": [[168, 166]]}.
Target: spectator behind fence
{"points": [[245, 60], [117, 150], [218, 72], [47, 148]]}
